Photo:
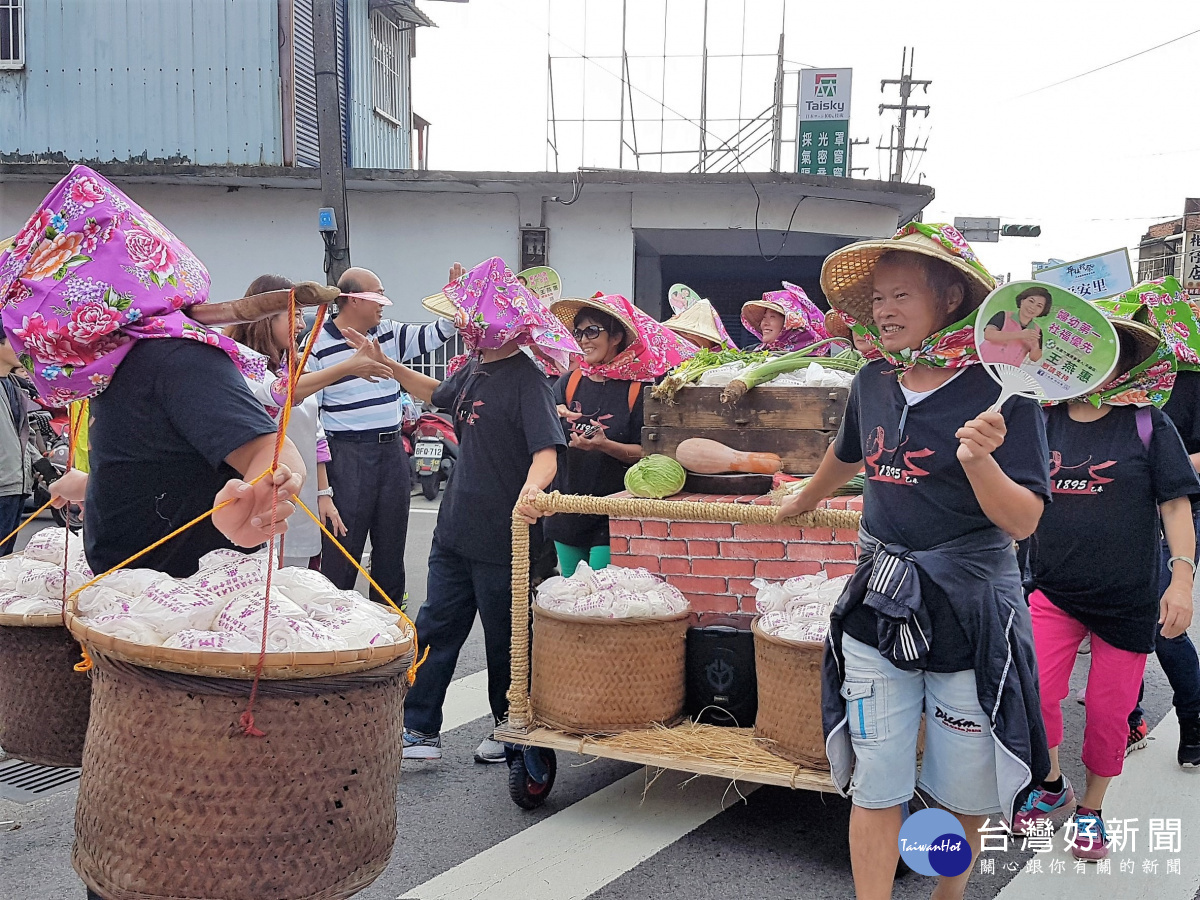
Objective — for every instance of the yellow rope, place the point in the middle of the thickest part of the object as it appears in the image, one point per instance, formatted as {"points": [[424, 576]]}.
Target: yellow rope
{"points": [[417, 662]]}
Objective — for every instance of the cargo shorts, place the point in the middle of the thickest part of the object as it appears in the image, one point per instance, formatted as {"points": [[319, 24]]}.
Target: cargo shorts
{"points": [[883, 714]]}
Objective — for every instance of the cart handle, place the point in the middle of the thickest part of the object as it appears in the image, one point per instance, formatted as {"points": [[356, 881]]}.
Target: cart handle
{"points": [[520, 712]]}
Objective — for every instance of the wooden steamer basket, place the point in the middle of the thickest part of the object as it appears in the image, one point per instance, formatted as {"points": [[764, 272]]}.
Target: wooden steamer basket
{"points": [[176, 803], [43, 702], [604, 676], [789, 698], [797, 423]]}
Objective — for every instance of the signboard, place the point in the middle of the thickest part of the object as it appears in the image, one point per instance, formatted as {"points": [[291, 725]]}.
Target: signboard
{"points": [[1094, 277], [823, 145], [1040, 341], [1189, 269]]}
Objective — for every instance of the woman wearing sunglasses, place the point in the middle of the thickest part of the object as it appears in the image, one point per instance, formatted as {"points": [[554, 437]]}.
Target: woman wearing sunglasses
{"points": [[600, 404]]}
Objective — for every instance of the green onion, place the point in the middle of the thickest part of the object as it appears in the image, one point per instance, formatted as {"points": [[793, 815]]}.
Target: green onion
{"points": [[789, 362], [691, 370]]}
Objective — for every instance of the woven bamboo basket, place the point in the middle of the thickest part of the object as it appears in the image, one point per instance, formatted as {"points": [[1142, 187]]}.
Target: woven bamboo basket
{"points": [[789, 699], [43, 701], [603, 676], [175, 803]]}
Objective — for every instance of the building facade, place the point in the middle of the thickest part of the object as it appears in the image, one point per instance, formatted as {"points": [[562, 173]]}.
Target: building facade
{"points": [[200, 82]]}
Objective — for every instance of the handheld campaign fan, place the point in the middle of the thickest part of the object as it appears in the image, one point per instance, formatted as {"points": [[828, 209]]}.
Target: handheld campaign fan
{"points": [[1037, 340], [681, 297], [543, 282]]}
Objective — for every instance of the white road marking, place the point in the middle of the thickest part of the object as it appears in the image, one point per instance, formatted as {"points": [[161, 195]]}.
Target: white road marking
{"points": [[1151, 786], [579, 850], [466, 701]]}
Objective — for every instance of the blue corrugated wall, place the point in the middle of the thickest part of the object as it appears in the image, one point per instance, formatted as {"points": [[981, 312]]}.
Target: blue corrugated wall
{"points": [[116, 80], [375, 143]]}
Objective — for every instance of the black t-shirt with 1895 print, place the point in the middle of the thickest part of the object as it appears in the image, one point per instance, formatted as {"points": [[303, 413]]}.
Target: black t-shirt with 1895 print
{"points": [[503, 413], [173, 413], [916, 493], [1096, 553]]}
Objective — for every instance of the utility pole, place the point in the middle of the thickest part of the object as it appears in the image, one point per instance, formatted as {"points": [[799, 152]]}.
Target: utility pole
{"points": [[851, 168], [906, 83], [330, 138], [777, 111], [704, 93]]}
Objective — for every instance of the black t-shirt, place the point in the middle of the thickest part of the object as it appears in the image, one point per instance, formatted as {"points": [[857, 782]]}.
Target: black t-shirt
{"points": [[174, 411], [916, 493], [1096, 551], [591, 472], [504, 413]]}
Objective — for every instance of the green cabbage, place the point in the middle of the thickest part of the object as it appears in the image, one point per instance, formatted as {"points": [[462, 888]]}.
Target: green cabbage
{"points": [[655, 476]]}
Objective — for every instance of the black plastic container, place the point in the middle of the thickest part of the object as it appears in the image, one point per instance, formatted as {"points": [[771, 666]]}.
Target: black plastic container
{"points": [[722, 688]]}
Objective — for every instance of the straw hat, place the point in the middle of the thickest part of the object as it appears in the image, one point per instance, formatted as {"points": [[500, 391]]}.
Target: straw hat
{"points": [[440, 305], [696, 322], [1144, 339], [566, 311], [754, 310], [6, 243], [847, 277]]}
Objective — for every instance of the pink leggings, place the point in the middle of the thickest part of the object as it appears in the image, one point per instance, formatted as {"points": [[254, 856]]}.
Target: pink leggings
{"points": [[1112, 685]]}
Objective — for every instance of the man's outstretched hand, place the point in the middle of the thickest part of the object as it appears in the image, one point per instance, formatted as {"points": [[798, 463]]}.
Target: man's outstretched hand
{"points": [[246, 521]]}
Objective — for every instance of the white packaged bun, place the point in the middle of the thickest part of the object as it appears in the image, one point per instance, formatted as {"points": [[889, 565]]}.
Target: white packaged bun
{"points": [[193, 639], [614, 593], [171, 606], [226, 576]]}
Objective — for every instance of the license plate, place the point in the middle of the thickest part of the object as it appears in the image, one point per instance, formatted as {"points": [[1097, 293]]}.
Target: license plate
{"points": [[428, 451]]}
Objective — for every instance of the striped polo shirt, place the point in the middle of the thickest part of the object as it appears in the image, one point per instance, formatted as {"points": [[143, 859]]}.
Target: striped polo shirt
{"points": [[354, 404]]}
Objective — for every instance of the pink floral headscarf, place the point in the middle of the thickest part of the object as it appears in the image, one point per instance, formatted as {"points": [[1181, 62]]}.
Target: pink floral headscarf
{"points": [[654, 351], [499, 309], [803, 323], [90, 273]]}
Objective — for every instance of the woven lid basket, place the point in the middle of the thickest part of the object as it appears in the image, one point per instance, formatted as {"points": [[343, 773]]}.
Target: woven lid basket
{"points": [[44, 702], [603, 676], [789, 698], [176, 803], [222, 664]]}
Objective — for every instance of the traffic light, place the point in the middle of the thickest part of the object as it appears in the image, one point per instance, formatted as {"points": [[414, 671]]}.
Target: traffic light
{"points": [[1021, 230]]}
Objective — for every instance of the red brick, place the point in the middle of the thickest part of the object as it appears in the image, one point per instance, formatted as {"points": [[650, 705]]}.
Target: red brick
{"points": [[709, 530], [635, 562], [834, 570], [625, 527], [709, 603], [778, 570], [816, 552], [655, 547], [695, 584], [654, 529], [726, 567], [742, 587], [846, 536], [703, 549], [673, 566], [753, 550], [842, 551], [763, 533], [817, 535], [618, 545]]}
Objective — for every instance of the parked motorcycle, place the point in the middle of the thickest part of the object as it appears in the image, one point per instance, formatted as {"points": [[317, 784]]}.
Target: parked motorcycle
{"points": [[434, 452], [49, 447]]}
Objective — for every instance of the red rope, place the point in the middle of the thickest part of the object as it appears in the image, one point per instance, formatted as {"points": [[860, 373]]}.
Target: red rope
{"points": [[246, 720]]}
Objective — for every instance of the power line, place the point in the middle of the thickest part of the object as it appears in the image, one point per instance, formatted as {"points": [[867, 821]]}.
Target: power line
{"points": [[1111, 64]]}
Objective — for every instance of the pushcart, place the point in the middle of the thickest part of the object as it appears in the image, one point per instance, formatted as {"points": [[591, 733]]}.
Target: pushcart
{"points": [[731, 753]]}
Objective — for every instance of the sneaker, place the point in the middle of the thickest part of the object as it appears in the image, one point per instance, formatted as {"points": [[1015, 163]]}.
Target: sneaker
{"points": [[1137, 737], [1089, 840], [1189, 743], [422, 746], [489, 751], [1042, 804]]}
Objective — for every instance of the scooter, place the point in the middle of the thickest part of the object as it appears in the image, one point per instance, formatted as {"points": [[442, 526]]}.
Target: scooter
{"points": [[435, 451]]}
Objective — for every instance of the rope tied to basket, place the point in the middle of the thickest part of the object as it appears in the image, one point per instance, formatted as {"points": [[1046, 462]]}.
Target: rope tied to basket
{"points": [[520, 710], [295, 370]]}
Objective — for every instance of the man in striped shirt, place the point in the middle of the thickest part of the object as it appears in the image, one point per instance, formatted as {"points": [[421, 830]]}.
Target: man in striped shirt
{"points": [[369, 470]]}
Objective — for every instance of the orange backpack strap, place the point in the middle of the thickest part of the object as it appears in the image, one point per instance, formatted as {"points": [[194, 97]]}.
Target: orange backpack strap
{"points": [[635, 391], [573, 385]]}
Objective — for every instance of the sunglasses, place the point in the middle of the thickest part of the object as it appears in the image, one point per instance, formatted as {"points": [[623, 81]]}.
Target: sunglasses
{"points": [[591, 332]]}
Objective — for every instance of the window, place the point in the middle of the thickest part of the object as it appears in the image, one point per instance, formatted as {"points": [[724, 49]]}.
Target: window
{"points": [[12, 34], [387, 80]]}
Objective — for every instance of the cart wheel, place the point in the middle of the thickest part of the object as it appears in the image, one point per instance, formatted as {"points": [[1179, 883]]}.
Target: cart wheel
{"points": [[527, 792]]}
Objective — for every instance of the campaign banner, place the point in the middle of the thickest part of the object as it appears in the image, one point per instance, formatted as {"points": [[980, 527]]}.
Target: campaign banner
{"points": [[1093, 277]]}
